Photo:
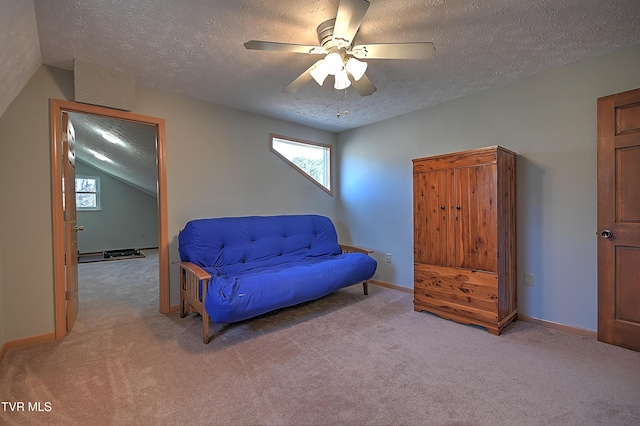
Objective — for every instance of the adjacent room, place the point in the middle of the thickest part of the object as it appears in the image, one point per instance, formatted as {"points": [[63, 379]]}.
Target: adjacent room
{"points": [[452, 187]]}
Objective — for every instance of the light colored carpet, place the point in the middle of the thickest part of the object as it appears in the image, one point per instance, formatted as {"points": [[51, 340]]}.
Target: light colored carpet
{"points": [[346, 359]]}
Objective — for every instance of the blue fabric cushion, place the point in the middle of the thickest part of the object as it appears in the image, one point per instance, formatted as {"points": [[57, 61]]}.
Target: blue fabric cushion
{"points": [[259, 290], [228, 243], [262, 263]]}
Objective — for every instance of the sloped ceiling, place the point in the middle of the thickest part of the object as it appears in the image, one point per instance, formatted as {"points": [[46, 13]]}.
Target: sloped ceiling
{"points": [[195, 48], [122, 149], [19, 48]]}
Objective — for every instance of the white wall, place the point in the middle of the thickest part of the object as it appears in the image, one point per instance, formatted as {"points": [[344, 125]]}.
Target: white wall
{"points": [[218, 163], [550, 121], [128, 217], [25, 209]]}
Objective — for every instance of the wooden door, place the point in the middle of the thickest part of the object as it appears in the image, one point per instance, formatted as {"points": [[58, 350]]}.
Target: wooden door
{"points": [[70, 220], [619, 219], [476, 219], [431, 207]]}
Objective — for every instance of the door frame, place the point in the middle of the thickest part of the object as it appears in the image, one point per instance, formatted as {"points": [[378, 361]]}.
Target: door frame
{"points": [[56, 107]]}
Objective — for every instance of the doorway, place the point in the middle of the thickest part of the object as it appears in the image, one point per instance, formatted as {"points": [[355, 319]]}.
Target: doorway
{"points": [[57, 107]]}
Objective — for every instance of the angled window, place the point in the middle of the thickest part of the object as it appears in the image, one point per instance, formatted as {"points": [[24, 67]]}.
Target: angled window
{"points": [[311, 159], [87, 193]]}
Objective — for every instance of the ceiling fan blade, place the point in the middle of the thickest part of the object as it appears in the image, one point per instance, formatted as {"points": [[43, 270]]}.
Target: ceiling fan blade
{"points": [[302, 79], [364, 86], [284, 47], [418, 50], [350, 16]]}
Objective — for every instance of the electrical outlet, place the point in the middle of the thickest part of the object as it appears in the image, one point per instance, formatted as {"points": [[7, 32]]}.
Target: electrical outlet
{"points": [[528, 279], [388, 257]]}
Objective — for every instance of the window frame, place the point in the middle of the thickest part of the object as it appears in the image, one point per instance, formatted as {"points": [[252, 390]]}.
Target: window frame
{"points": [[295, 141], [97, 192]]}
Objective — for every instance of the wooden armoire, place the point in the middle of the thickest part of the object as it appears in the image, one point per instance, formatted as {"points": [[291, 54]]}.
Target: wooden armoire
{"points": [[465, 236]]}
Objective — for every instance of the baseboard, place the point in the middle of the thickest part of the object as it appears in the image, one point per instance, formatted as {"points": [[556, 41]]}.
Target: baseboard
{"points": [[569, 329], [174, 308], [391, 286], [27, 341]]}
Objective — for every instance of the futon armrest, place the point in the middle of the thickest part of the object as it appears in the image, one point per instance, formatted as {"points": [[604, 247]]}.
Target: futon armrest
{"points": [[193, 292], [354, 249], [199, 273]]}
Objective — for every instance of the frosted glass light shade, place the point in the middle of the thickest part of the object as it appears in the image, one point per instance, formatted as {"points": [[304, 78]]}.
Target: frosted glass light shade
{"points": [[333, 63], [342, 80], [319, 73], [356, 68]]}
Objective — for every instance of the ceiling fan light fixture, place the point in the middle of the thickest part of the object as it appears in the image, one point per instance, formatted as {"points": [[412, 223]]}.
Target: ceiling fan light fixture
{"points": [[356, 68], [333, 63], [319, 73], [342, 80], [336, 41]]}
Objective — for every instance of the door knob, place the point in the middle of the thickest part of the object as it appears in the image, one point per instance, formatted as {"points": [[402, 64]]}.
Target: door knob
{"points": [[606, 234], [78, 228]]}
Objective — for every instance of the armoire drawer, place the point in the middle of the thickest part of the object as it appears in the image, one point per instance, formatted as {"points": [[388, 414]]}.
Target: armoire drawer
{"points": [[474, 289]]}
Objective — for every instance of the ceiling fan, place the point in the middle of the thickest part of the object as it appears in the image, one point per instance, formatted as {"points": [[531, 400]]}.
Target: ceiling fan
{"points": [[341, 57]]}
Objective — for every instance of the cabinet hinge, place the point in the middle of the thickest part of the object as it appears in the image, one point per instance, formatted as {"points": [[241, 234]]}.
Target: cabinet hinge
{"points": [[498, 255], [67, 295]]}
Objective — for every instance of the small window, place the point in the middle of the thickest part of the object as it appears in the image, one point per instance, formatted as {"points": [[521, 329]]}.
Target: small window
{"points": [[313, 160], [87, 193]]}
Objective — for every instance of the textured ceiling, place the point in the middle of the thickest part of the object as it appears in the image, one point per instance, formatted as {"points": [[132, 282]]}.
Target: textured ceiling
{"points": [[122, 149], [195, 48]]}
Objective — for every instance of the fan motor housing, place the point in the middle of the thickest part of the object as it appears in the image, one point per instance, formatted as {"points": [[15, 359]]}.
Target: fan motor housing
{"points": [[325, 34]]}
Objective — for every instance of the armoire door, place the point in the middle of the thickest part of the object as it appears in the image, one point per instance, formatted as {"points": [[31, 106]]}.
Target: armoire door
{"points": [[431, 208], [476, 219]]}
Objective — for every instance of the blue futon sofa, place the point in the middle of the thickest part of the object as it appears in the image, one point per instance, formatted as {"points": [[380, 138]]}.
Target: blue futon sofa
{"points": [[234, 268]]}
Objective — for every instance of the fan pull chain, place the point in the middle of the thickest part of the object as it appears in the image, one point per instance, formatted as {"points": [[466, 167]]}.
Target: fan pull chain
{"points": [[346, 111]]}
